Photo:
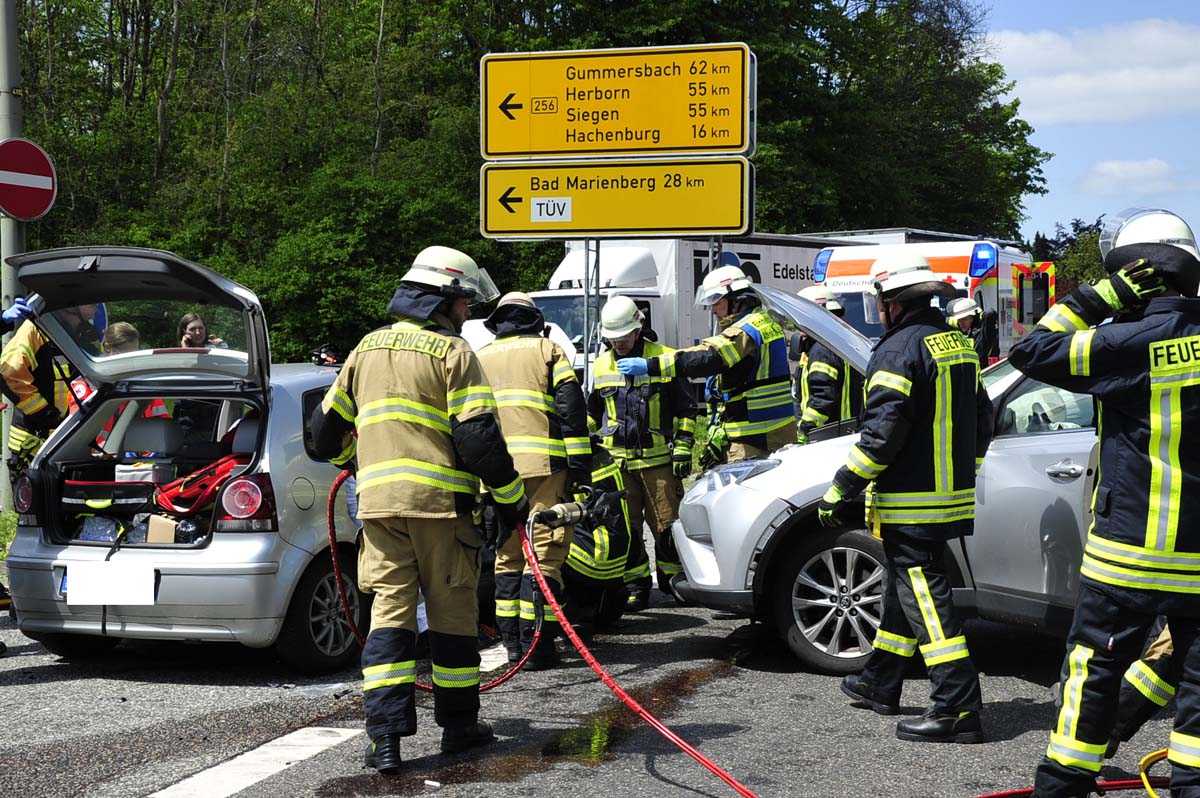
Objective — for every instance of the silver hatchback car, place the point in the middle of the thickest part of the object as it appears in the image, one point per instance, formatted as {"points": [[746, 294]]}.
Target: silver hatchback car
{"points": [[181, 500], [750, 543]]}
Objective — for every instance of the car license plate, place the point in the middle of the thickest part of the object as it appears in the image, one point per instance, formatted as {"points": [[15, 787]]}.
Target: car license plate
{"points": [[99, 583]]}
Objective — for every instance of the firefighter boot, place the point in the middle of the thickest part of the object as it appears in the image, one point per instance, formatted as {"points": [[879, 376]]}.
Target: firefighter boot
{"points": [[935, 727], [637, 595], [867, 697], [456, 739], [383, 754]]}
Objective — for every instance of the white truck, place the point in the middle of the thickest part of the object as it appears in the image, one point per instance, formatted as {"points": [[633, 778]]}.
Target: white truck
{"points": [[661, 275]]}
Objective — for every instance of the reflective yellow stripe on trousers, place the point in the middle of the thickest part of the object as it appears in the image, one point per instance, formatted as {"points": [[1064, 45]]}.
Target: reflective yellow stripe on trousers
{"points": [[1065, 748]]}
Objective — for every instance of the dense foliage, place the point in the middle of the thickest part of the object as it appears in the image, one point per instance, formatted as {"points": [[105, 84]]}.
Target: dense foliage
{"points": [[309, 148], [1075, 250]]}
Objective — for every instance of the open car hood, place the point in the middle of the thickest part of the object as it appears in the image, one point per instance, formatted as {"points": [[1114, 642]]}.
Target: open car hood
{"points": [[809, 317], [150, 289]]}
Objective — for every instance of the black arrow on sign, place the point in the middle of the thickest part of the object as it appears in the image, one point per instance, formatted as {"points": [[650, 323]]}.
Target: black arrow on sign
{"points": [[506, 106], [507, 199]]}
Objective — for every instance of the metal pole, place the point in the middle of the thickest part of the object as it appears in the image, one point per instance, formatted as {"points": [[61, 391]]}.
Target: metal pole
{"points": [[12, 232], [587, 316]]}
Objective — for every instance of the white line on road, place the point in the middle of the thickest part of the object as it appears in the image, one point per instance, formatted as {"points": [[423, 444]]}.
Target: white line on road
{"points": [[252, 767], [26, 179]]}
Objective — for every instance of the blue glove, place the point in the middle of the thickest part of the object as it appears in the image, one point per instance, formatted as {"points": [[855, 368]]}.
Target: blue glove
{"points": [[633, 366], [17, 312]]}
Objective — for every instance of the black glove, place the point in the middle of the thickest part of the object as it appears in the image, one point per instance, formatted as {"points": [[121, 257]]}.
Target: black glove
{"points": [[491, 525], [681, 464], [1133, 285], [511, 515], [42, 423]]}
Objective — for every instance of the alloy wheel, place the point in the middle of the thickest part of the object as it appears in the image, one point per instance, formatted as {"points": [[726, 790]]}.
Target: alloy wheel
{"points": [[837, 599]]}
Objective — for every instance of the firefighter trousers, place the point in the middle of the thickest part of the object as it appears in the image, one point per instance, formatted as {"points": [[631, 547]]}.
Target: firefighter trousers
{"points": [[653, 496], [1148, 684], [518, 599], [439, 557], [918, 615], [1106, 636]]}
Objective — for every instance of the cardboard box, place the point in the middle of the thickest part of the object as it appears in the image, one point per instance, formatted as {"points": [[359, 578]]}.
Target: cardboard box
{"points": [[158, 473], [160, 529]]}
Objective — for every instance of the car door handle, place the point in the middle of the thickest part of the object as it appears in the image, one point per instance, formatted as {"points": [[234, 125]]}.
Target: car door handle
{"points": [[1065, 469]]}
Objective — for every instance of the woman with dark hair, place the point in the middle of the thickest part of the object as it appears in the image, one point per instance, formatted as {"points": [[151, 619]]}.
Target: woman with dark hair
{"points": [[193, 333]]}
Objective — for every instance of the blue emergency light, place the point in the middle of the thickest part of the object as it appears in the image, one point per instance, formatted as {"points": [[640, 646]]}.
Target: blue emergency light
{"points": [[821, 265], [983, 259]]}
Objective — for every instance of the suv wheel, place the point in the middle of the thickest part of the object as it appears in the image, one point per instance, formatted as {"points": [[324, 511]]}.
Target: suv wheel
{"points": [[76, 646], [316, 637], [828, 597]]}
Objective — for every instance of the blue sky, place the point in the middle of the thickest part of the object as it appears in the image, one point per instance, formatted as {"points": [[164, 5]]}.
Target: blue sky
{"points": [[1113, 90]]}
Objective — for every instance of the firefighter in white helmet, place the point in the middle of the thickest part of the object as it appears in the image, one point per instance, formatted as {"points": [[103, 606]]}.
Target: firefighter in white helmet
{"points": [[425, 419], [1142, 558], [827, 389], [982, 328], [544, 422], [646, 424], [749, 358], [925, 427]]}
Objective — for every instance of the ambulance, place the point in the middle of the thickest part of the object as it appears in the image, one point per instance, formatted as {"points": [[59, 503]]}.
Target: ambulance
{"points": [[997, 275]]}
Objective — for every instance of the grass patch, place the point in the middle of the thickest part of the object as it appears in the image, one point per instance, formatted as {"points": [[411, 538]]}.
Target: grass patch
{"points": [[8, 529]]}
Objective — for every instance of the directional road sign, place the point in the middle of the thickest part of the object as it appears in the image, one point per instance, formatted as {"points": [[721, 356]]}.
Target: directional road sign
{"points": [[616, 199], [28, 184], [648, 100]]}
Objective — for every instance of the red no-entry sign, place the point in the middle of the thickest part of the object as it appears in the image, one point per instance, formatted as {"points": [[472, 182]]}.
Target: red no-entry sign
{"points": [[28, 184]]}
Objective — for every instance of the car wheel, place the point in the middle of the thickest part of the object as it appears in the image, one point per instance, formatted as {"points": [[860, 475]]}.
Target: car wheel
{"points": [[316, 636], [76, 646], [828, 598]]}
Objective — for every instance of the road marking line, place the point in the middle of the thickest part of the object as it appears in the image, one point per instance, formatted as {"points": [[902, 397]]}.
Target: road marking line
{"points": [[25, 179], [492, 658], [242, 771]]}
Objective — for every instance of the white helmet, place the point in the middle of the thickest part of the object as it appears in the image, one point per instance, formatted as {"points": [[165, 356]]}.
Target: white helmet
{"points": [[960, 308], [515, 298], [721, 282], [452, 273], [822, 295], [1147, 226], [619, 317], [903, 269]]}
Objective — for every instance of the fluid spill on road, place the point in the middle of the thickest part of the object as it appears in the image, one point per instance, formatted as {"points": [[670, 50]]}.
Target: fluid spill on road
{"points": [[590, 743]]}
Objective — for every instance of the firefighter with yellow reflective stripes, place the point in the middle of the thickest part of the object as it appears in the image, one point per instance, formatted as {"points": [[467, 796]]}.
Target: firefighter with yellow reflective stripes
{"points": [[646, 425], [925, 428], [750, 359], [829, 390], [427, 435], [544, 422], [1142, 556], [1148, 685], [36, 381]]}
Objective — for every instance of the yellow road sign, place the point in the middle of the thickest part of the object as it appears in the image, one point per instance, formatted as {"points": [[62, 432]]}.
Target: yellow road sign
{"points": [[648, 100], [616, 199]]}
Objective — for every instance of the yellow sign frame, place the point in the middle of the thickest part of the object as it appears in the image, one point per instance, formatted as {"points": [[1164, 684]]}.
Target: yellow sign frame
{"points": [[691, 99], [616, 198]]}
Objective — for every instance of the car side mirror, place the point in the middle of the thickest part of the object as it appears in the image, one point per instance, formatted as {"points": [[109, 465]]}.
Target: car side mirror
{"points": [[795, 346]]}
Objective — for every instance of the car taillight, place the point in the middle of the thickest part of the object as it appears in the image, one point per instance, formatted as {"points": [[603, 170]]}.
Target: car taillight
{"points": [[22, 495], [248, 505]]}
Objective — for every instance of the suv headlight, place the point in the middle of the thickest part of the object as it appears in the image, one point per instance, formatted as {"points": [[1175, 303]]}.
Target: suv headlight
{"points": [[733, 473]]}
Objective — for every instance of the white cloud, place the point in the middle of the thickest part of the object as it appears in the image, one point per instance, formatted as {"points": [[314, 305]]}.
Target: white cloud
{"points": [[1142, 70], [1151, 176]]}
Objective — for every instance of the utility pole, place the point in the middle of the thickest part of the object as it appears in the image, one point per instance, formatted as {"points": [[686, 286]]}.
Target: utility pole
{"points": [[12, 232]]}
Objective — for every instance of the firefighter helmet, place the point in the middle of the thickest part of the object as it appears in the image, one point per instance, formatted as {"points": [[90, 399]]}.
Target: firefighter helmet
{"points": [[1147, 226], [719, 283], [516, 298], [619, 317], [822, 295], [452, 274], [961, 308], [905, 275]]}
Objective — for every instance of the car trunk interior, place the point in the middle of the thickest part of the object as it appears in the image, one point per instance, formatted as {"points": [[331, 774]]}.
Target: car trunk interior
{"points": [[147, 471]]}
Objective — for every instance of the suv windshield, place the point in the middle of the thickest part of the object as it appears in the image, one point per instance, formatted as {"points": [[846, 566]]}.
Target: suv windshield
{"points": [[567, 312]]}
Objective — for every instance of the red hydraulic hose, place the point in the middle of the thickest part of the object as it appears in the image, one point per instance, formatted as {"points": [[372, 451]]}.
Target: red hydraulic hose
{"points": [[1106, 786], [611, 683], [337, 578]]}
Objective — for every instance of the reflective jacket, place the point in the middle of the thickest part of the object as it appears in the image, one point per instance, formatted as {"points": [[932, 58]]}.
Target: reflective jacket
{"points": [[750, 356], [924, 431], [36, 379], [1145, 532], [830, 391], [542, 414], [600, 547], [641, 420], [426, 422]]}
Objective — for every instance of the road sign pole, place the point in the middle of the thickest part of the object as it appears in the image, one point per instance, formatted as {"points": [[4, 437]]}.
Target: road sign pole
{"points": [[12, 232]]}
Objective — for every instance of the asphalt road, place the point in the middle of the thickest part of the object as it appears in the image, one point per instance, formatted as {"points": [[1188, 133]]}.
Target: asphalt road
{"points": [[149, 715]]}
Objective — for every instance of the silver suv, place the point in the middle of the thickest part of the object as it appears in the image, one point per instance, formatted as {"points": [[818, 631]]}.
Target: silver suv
{"points": [[181, 501]]}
